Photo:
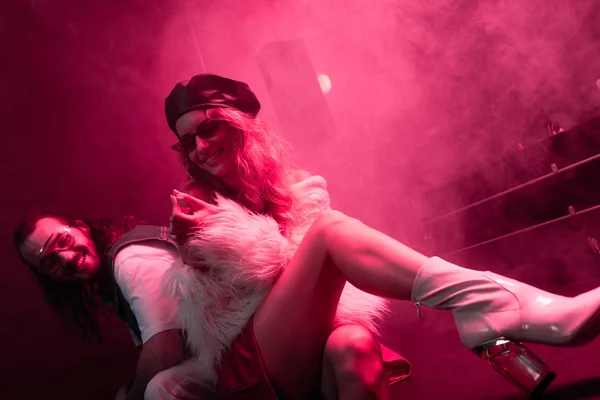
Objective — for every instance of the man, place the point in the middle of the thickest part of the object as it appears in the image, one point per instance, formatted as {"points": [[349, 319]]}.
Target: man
{"points": [[79, 260], [86, 264]]}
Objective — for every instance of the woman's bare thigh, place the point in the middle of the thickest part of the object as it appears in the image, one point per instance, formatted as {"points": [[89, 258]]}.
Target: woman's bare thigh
{"points": [[293, 324]]}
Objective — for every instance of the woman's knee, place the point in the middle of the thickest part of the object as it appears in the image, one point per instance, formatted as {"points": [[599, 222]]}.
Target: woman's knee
{"points": [[354, 355], [350, 342], [329, 223]]}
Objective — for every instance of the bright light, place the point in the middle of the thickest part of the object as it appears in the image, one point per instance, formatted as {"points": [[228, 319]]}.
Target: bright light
{"points": [[324, 82]]}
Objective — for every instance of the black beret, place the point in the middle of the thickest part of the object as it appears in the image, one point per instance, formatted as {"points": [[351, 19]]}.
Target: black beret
{"points": [[209, 91]]}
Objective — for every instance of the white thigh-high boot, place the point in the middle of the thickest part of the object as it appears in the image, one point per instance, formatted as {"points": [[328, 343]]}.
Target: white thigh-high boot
{"points": [[495, 314]]}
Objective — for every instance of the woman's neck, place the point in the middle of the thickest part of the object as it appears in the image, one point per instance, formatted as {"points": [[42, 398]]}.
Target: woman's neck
{"points": [[233, 183]]}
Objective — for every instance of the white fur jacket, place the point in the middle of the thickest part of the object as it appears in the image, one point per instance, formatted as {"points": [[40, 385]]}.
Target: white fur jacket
{"points": [[234, 259]]}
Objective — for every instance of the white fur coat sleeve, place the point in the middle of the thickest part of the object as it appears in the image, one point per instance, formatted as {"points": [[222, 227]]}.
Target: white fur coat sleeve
{"points": [[234, 259]]}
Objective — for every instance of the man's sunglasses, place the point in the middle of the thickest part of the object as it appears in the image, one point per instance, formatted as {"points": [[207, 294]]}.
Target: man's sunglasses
{"points": [[63, 242]]}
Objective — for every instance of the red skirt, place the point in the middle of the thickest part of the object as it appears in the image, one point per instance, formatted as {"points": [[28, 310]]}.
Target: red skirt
{"points": [[242, 373]]}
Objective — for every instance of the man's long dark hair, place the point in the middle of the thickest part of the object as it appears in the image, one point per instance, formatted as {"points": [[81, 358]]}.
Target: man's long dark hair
{"points": [[81, 302]]}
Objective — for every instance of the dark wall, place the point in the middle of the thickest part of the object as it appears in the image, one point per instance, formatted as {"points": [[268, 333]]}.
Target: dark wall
{"points": [[82, 132], [419, 93]]}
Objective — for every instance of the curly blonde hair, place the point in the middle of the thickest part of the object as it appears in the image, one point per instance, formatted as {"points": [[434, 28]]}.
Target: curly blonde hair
{"points": [[262, 160]]}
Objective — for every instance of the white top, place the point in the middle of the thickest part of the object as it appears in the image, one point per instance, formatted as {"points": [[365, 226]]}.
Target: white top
{"points": [[139, 270]]}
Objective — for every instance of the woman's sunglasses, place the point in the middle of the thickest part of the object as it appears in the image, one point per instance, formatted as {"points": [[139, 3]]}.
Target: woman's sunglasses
{"points": [[205, 129]]}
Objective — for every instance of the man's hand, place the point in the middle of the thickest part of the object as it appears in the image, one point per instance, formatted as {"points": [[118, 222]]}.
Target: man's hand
{"points": [[122, 393], [163, 350], [184, 223]]}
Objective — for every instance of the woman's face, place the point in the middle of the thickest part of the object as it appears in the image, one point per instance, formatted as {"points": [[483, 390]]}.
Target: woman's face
{"points": [[208, 143], [62, 253]]}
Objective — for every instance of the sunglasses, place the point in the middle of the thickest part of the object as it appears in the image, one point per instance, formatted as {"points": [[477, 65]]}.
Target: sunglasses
{"points": [[65, 241], [204, 130]]}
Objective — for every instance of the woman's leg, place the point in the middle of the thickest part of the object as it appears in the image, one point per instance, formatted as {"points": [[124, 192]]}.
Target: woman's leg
{"points": [[296, 318], [293, 323], [353, 366]]}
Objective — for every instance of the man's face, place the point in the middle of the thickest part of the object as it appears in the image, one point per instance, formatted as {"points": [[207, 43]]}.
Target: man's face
{"points": [[63, 253]]}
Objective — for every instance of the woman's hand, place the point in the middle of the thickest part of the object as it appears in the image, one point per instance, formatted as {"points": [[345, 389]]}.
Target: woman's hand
{"points": [[183, 223]]}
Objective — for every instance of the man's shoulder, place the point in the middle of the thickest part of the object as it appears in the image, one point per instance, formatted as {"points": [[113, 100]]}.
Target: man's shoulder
{"points": [[143, 235], [140, 233]]}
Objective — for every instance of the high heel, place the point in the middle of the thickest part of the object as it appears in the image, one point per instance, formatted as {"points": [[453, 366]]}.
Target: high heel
{"points": [[493, 314], [518, 365]]}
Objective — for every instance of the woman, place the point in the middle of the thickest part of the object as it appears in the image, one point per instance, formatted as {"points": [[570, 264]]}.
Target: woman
{"points": [[354, 363], [227, 148]]}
